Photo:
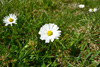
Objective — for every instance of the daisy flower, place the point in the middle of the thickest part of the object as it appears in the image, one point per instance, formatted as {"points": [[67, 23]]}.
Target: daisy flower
{"points": [[11, 19], [81, 6], [93, 10], [49, 32]]}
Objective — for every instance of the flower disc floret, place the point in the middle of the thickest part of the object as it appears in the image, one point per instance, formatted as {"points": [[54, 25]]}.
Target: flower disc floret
{"points": [[10, 20], [49, 33]]}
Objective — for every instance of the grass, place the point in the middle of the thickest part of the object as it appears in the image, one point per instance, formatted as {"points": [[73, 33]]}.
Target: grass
{"points": [[78, 45]]}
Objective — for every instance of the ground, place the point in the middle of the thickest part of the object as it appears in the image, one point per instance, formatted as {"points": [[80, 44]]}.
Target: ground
{"points": [[78, 45]]}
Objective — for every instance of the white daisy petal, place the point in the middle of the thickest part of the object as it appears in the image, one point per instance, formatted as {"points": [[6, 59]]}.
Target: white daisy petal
{"points": [[47, 41], [6, 24], [90, 10], [57, 38], [55, 27], [51, 26], [49, 32], [11, 24], [52, 40], [15, 23], [95, 9]]}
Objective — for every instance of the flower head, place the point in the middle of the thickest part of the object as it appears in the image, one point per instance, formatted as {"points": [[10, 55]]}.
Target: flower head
{"points": [[81, 6], [49, 32], [11, 19], [93, 10]]}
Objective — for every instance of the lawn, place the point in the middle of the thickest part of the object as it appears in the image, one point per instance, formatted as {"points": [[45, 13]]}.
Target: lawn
{"points": [[77, 46]]}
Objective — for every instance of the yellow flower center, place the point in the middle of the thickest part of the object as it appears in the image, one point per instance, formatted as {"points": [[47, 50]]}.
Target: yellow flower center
{"points": [[81, 6], [92, 9], [49, 33], [10, 20]]}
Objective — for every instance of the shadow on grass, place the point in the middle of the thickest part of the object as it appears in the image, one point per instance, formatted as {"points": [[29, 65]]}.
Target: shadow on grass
{"points": [[98, 65], [74, 51]]}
